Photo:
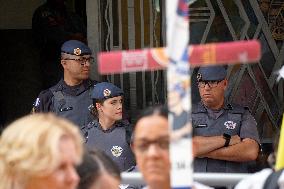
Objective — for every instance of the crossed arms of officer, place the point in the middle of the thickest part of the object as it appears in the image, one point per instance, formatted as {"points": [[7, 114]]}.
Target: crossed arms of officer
{"points": [[213, 147]]}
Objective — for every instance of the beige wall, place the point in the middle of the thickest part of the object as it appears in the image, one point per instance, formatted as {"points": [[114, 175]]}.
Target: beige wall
{"points": [[17, 14]]}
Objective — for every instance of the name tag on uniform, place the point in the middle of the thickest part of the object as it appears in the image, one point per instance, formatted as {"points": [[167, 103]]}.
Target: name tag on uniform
{"points": [[66, 109], [201, 126]]}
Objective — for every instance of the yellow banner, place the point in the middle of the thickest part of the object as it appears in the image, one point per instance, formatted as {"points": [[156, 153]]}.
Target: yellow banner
{"points": [[280, 153]]}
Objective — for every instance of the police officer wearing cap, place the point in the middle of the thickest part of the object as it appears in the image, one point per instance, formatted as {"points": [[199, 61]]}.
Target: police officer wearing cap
{"points": [[225, 136], [71, 96], [108, 132]]}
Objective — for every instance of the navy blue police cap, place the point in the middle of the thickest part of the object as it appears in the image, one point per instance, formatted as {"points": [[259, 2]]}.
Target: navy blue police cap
{"points": [[211, 73], [105, 90], [75, 47]]}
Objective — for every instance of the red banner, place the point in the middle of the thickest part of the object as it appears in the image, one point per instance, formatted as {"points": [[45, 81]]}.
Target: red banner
{"points": [[156, 58]]}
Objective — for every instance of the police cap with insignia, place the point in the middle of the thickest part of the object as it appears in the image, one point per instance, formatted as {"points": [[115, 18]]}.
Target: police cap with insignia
{"points": [[211, 73], [75, 47], [105, 90]]}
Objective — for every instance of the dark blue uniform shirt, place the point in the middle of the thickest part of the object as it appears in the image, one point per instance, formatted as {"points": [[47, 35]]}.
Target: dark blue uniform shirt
{"points": [[115, 142], [232, 120], [66, 101]]}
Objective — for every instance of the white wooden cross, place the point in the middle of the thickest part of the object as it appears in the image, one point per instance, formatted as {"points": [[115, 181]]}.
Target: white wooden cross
{"points": [[176, 57]]}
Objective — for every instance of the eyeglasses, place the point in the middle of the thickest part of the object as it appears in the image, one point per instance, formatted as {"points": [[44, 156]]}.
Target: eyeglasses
{"points": [[82, 61], [143, 146], [211, 84]]}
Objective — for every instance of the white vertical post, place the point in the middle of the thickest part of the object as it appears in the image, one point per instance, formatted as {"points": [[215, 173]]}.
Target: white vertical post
{"points": [[179, 94]]}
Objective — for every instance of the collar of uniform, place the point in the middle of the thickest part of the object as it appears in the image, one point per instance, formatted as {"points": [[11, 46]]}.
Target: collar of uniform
{"points": [[74, 90], [96, 123], [200, 108], [88, 83]]}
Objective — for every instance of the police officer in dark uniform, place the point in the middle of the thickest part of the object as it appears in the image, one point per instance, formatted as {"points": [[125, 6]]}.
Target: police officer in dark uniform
{"points": [[225, 135], [109, 132], [71, 96]]}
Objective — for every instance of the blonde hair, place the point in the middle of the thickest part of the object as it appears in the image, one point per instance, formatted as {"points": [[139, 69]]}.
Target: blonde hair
{"points": [[30, 147]]}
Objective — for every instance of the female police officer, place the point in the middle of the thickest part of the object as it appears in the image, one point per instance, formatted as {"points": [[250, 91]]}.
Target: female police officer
{"points": [[108, 131]]}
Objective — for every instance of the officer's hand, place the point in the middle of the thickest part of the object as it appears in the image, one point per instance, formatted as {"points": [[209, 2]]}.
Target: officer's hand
{"points": [[235, 140]]}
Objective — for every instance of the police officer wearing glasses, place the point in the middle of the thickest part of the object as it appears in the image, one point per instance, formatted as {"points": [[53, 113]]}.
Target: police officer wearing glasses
{"points": [[225, 135], [71, 96]]}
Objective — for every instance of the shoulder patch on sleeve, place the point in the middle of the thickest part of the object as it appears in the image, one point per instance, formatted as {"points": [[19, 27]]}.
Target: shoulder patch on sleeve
{"points": [[45, 94], [37, 102], [43, 101]]}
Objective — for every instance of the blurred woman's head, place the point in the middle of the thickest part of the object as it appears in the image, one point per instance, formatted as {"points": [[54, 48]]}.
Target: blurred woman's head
{"points": [[98, 171], [40, 151], [150, 143]]}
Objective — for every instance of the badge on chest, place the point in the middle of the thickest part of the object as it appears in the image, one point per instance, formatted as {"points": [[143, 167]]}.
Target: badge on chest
{"points": [[230, 125], [116, 151]]}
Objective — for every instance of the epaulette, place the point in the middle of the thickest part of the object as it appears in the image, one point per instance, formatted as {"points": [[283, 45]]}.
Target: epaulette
{"points": [[43, 95], [45, 92], [247, 109], [57, 87], [235, 109], [90, 83], [92, 124], [88, 126]]}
